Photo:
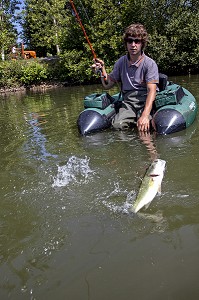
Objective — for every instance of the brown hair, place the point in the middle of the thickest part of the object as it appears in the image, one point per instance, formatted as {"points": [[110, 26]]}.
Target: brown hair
{"points": [[138, 31]]}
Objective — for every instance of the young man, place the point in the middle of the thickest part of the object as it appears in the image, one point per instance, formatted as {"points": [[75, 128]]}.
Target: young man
{"points": [[138, 75]]}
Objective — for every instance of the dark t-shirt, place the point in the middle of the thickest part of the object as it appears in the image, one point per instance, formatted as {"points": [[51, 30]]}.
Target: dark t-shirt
{"points": [[134, 77]]}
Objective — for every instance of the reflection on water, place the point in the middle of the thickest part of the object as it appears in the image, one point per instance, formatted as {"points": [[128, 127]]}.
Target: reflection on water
{"points": [[65, 229], [36, 143], [148, 140]]}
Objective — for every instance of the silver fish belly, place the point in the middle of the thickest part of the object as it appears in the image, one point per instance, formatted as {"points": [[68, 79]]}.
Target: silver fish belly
{"points": [[150, 186]]}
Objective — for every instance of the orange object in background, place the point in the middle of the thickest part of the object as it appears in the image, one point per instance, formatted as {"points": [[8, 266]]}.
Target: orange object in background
{"points": [[20, 52], [27, 54]]}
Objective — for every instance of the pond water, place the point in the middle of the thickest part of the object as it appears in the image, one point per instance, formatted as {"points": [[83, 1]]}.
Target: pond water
{"points": [[65, 228]]}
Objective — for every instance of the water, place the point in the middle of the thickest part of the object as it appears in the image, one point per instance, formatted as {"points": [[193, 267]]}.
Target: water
{"points": [[64, 224]]}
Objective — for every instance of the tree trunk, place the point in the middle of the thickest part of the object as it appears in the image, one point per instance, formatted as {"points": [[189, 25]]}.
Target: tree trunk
{"points": [[56, 34], [2, 54]]}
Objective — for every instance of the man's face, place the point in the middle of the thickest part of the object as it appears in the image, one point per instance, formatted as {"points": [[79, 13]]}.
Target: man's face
{"points": [[134, 45]]}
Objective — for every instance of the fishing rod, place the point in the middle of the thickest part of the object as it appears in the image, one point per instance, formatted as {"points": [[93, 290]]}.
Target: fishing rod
{"points": [[85, 34], [83, 29]]}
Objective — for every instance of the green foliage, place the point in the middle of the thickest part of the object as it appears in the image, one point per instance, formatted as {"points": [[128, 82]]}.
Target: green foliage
{"points": [[22, 72], [33, 72], [10, 73], [75, 68], [43, 23], [8, 15], [70, 68], [51, 27]]}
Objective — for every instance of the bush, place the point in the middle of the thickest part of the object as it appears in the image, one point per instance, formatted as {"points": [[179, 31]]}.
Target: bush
{"points": [[71, 67], [75, 68], [10, 73], [33, 72], [22, 72]]}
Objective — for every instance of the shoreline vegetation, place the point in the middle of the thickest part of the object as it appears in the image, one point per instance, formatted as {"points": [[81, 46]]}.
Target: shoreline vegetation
{"points": [[53, 48], [21, 75], [41, 74], [35, 87]]}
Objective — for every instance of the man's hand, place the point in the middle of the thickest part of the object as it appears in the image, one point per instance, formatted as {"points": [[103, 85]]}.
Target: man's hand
{"points": [[143, 123], [98, 65]]}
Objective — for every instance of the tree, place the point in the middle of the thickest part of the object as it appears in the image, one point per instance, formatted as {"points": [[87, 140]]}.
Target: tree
{"points": [[51, 26], [8, 33], [175, 41], [42, 25]]}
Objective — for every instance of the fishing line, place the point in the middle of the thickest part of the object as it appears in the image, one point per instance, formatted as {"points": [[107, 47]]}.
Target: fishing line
{"points": [[86, 36], [108, 16], [93, 31], [86, 15], [88, 41], [83, 29]]}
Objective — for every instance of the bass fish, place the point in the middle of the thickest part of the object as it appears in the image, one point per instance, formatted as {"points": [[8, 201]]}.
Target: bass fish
{"points": [[150, 186]]}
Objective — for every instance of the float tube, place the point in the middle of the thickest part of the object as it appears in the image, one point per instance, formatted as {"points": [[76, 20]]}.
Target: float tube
{"points": [[175, 109]]}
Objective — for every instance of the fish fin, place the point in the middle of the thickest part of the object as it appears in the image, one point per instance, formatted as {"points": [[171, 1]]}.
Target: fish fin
{"points": [[134, 209], [159, 190], [147, 205]]}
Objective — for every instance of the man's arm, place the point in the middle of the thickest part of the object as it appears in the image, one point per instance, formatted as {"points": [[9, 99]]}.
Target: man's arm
{"points": [[143, 123]]}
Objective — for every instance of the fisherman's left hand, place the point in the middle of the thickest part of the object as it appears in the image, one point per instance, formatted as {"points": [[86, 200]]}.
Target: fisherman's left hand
{"points": [[143, 123]]}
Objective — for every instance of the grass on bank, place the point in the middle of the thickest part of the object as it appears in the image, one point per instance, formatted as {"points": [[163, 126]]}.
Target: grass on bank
{"points": [[70, 68]]}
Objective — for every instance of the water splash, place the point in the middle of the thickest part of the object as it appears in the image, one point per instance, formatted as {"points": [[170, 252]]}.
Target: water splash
{"points": [[109, 200], [76, 170]]}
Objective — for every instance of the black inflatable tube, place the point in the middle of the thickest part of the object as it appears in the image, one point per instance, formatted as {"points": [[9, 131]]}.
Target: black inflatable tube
{"points": [[166, 121], [90, 121]]}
